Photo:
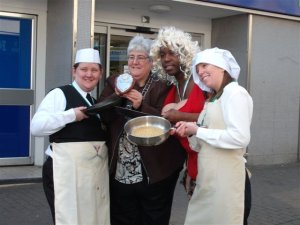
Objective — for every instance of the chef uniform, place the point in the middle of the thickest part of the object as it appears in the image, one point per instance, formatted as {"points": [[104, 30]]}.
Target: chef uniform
{"points": [[221, 140], [77, 153]]}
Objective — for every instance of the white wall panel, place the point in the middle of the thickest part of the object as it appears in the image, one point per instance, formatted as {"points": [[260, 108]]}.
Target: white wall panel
{"points": [[275, 88], [116, 14]]}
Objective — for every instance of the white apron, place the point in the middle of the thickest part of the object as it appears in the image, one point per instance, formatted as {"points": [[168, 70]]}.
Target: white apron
{"points": [[219, 193], [81, 183]]}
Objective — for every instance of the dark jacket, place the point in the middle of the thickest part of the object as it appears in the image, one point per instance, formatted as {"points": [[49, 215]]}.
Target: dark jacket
{"points": [[159, 161]]}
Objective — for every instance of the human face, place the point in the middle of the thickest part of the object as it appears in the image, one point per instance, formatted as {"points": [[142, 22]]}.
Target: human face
{"points": [[210, 75], [139, 65], [169, 61], [87, 75]]}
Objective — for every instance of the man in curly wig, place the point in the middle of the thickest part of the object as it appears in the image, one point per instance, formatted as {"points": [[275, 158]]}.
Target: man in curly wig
{"points": [[172, 53], [181, 44]]}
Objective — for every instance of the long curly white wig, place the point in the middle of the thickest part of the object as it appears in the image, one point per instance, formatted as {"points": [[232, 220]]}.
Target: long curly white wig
{"points": [[180, 43]]}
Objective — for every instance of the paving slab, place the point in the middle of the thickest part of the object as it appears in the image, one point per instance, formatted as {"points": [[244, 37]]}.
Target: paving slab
{"points": [[275, 192]]}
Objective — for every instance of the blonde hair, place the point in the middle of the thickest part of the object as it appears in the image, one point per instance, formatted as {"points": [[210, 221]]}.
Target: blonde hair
{"points": [[178, 42]]}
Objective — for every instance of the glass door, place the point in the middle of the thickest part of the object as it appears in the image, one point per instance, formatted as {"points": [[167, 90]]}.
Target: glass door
{"points": [[112, 42], [118, 54], [16, 94]]}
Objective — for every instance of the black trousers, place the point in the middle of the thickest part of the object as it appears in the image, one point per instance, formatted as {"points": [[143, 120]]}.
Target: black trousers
{"points": [[142, 203], [48, 186], [247, 199]]}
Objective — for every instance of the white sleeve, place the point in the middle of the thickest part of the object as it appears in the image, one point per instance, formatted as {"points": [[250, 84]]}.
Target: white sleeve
{"points": [[194, 143], [237, 110], [51, 115]]}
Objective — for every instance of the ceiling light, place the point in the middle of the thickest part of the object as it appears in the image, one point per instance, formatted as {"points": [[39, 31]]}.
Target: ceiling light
{"points": [[160, 8]]}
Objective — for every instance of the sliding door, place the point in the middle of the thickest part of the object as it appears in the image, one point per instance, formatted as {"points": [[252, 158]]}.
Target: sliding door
{"points": [[16, 94]]}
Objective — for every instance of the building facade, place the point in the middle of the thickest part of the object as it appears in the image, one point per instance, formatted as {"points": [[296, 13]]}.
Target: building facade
{"points": [[38, 39]]}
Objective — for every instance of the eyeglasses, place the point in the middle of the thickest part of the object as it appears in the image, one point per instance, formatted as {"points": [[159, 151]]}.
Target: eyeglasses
{"points": [[138, 58]]}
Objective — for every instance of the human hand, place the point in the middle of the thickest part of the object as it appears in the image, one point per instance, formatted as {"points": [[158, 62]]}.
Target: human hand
{"points": [[80, 115], [172, 131], [168, 107], [185, 129], [180, 104], [175, 106], [135, 97], [180, 128], [171, 115], [117, 92]]}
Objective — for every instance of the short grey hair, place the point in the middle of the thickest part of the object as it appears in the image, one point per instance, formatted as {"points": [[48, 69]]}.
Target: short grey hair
{"points": [[139, 43]]}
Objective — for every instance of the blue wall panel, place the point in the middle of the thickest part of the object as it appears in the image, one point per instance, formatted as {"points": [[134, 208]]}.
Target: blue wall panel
{"points": [[15, 53], [14, 131], [15, 73], [287, 7]]}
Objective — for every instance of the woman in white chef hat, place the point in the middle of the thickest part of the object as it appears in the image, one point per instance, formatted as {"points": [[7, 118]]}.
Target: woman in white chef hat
{"points": [[221, 136], [75, 174]]}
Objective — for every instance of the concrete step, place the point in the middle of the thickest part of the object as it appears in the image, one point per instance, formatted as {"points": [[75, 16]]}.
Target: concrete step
{"points": [[20, 174]]}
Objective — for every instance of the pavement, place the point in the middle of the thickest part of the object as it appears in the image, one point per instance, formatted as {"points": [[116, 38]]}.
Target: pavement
{"points": [[275, 196]]}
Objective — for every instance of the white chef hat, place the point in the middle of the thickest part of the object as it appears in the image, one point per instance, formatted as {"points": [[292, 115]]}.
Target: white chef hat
{"points": [[217, 57], [87, 55]]}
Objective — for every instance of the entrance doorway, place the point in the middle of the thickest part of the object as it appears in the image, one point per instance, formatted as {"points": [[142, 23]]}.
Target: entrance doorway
{"points": [[16, 94], [112, 42]]}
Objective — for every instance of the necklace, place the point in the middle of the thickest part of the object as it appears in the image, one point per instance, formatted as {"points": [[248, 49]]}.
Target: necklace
{"points": [[144, 90], [147, 86], [181, 97]]}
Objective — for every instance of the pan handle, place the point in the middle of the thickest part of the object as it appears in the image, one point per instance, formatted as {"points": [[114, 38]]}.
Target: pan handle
{"points": [[172, 130]]}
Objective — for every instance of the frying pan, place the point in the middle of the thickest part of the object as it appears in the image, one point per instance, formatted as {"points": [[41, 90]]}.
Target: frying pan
{"points": [[148, 121], [109, 102], [129, 112]]}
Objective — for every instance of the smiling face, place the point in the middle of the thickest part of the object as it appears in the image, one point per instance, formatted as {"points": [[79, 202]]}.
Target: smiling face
{"points": [[139, 65], [87, 75], [170, 61], [210, 75]]}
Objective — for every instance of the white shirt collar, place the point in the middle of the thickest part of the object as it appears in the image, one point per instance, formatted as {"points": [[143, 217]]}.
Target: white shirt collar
{"points": [[81, 92]]}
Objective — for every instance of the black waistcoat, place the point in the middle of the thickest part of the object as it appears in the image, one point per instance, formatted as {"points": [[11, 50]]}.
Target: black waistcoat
{"points": [[89, 129]]}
